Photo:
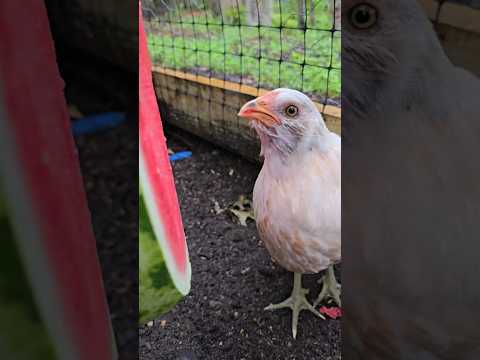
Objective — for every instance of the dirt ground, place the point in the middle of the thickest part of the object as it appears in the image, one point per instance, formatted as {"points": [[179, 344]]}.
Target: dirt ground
{"points": [[233, 277], [113, 205]]}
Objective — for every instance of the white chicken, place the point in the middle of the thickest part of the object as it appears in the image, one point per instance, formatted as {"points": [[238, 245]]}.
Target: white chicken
{"points": [[297, 195]]}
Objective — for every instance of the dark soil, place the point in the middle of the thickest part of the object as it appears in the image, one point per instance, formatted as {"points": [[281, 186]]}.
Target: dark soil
{"points": [[106, 164], [233, 276]]}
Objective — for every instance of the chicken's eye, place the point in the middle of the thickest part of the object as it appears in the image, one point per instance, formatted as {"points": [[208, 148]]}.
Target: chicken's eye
{"points": [[363, 16], [291, 110]]}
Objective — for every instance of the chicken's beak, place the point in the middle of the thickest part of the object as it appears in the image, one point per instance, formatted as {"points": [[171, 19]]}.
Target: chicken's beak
{"points": [[255, 110]]}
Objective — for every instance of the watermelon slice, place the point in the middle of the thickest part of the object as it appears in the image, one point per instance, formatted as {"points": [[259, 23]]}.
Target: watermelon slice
{"points": [[163, 255], [52, 301]]}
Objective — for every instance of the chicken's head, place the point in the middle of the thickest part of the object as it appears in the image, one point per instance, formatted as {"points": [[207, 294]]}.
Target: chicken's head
{"points": [[282, 118]]}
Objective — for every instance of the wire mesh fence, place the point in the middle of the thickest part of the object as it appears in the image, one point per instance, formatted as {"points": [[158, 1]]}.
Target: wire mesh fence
{"points": [[210, 56], [260, 43]]}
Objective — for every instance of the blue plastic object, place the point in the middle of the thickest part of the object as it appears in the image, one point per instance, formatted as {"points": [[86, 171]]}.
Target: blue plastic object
{"points": [[99, 122], [180, 155]]}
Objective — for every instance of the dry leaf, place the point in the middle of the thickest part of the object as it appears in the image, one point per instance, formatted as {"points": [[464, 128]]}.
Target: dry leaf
{"points": [[242, 209]]}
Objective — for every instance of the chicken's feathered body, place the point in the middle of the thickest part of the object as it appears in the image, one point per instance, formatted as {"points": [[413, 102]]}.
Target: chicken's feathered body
{"points": [[297, 204], [297, 199]]}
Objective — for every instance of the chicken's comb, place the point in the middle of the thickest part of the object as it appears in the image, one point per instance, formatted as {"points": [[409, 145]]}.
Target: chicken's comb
{"points": [[268, 97]]}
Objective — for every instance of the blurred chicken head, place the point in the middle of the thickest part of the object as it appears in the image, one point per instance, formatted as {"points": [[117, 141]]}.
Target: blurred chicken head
{"points": [[388, 48]]}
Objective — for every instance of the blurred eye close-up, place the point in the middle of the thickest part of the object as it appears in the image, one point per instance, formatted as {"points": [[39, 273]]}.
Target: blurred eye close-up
{"points": [[363, 16]]}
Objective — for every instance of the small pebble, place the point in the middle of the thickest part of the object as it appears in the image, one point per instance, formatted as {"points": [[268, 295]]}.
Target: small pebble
{"points": [[244, 271], [214, 304], [150, 324]]}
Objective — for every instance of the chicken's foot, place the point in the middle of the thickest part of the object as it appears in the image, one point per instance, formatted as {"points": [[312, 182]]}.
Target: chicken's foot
{"points": [[330, 289], [297, 302]]}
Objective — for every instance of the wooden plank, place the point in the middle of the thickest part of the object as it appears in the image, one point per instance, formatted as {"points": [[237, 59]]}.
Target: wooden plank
{"points": [[329, 110], [460, 16], [462, 47], [456, 15], [459, 32], [210, 111]]}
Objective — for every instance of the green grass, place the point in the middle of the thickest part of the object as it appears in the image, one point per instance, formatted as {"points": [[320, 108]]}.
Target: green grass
{"points": [[310, 61]]}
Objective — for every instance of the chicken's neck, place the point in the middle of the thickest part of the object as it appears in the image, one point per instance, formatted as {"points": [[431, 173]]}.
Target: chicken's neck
{"points": [[286, 148]]}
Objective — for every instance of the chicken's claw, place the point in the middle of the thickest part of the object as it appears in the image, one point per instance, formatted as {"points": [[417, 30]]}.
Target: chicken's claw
{"points": [[330, 289], [297, 302]]}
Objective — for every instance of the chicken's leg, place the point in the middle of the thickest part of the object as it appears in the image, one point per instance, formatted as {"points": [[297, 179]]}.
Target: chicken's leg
{"points": [[297, 302], [331, 288]]}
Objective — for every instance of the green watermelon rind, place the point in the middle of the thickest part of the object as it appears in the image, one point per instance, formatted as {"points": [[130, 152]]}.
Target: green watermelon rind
{"points": [[157, 291], [22, 330]]}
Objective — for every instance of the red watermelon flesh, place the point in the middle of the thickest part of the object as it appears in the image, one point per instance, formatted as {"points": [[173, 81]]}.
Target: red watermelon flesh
{"points": [[45, 199]]}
